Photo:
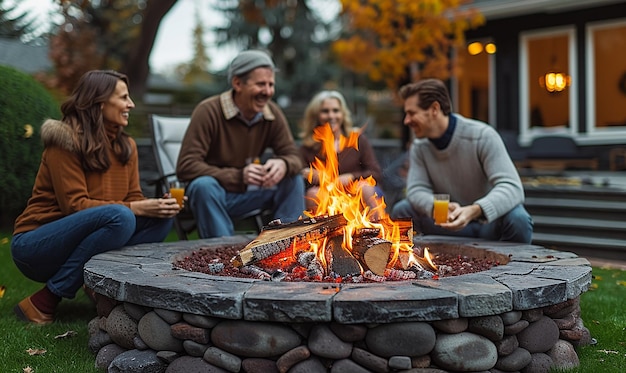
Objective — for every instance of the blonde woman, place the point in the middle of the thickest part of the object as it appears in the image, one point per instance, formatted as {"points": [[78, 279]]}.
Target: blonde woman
{"points": [[330, 107]]}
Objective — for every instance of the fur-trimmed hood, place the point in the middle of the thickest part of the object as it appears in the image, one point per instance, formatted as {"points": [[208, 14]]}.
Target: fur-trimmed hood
{"points": [[57, 133]]}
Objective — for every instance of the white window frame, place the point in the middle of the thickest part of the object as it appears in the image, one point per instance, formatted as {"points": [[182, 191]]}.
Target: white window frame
{"points": [[595, 135], [527, 134]]}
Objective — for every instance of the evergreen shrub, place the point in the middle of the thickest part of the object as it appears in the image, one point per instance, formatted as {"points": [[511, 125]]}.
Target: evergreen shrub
{"points": [[24, 105]]}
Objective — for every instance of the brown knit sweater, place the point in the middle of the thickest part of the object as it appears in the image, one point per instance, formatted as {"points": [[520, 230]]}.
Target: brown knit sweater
{"points": [[62, 187], [218, 142]]}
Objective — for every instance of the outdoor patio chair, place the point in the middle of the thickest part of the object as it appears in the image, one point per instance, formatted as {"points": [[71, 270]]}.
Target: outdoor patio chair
{"points": [[167, 135]]}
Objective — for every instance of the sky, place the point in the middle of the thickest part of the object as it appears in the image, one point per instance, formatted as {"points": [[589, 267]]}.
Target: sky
{"points": [[174, 41]]}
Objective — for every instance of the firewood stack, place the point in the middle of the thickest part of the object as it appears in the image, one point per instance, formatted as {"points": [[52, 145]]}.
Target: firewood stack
{"points": [[320, 246]]}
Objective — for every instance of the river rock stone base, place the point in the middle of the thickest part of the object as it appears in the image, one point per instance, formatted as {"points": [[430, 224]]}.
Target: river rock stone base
{"points": [[126, 337]]}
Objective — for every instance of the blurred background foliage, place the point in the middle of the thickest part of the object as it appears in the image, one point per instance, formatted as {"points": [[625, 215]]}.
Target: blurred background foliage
{"points": [[24, 105]]}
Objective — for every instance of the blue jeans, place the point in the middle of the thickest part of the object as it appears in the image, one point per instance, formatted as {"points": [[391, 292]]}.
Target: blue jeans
{"points": [[56, 252], [214, 208], [514, 226]]}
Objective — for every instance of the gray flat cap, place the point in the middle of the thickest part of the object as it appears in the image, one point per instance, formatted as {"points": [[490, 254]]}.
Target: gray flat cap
{"points": [[247, 61]]}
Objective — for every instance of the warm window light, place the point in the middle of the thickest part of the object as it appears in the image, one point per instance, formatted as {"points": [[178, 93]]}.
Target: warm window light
{"points": [[474, 48], [555, 82]]}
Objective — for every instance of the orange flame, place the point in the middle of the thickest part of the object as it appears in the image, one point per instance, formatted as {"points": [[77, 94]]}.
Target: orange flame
{"points": [[429, 258], [425, 262], [334, 198]]}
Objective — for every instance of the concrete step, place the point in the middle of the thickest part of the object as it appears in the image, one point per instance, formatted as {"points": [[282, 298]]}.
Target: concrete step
{"points": [[583, 245], [580, 227], [587, 220], [571, 203], [576, 208], [577, 223], [580, 193]]}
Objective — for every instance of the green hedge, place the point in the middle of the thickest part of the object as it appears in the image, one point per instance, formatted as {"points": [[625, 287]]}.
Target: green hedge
{"points": [[24, 105]]}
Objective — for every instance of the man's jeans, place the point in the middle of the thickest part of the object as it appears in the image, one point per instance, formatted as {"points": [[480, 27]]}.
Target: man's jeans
{"points": [[515, 226], [56, 252], [214, 208]]}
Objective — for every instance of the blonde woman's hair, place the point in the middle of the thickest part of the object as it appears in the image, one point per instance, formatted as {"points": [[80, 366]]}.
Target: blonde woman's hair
{"points": [[312, 111]]}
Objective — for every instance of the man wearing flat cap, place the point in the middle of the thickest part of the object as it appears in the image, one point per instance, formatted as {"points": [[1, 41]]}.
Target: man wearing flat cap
{"points": [[221, 151]]}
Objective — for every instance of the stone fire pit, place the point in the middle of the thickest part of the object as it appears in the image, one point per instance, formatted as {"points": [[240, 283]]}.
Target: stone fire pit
{"points": [[522, 316]]}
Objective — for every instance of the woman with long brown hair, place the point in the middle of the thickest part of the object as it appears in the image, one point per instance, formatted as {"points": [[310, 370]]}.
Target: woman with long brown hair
{"points": [[86, 198]]}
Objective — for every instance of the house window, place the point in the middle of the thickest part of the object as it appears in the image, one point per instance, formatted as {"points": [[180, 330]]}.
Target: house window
{"points": [[473, 90], [606, 78], [547, 71]]}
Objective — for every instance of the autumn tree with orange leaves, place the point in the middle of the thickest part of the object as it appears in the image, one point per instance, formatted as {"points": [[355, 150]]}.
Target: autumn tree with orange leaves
{"points": [[403, 40]]}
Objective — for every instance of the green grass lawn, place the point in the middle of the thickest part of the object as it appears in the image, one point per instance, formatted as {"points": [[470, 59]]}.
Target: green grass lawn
{"points": [[604, 313], [603, 310], [62, 355]]}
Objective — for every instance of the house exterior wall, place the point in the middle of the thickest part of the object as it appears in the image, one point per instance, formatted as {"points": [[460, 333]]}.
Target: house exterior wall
{"points": [[507, 32]]}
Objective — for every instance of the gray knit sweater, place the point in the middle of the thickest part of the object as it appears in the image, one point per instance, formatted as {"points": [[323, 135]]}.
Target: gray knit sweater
{"points": [[475, 168]]}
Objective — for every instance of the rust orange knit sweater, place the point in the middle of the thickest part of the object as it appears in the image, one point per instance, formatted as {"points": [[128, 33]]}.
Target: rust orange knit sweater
{"points": [[62, 187]]}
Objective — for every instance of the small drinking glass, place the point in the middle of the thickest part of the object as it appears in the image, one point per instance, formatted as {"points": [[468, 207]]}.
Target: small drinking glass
{"points": [[440, 208], [177, 190]]}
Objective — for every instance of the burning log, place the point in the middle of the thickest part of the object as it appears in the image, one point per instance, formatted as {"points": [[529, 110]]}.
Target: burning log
{"points": [[417, 260], [278, 275], [423, 264], [372, 276], [315, 270], [372, 253], [412, 261], [340, 260], [365, 232], [277, 238], [305, 258], [399, 275], [405, 227], [256, 272], [404, 257], [421, 272]]}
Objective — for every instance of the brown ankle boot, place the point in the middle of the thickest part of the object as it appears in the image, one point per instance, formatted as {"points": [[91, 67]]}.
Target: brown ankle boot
{"points": [[27, 311]]}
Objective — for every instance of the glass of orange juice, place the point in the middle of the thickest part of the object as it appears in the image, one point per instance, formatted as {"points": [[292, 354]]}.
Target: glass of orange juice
{"points": [[440, 208], [177, 190]]}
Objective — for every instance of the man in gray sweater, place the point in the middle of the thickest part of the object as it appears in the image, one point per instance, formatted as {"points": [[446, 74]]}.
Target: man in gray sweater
{"points": [[466, 159]]}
